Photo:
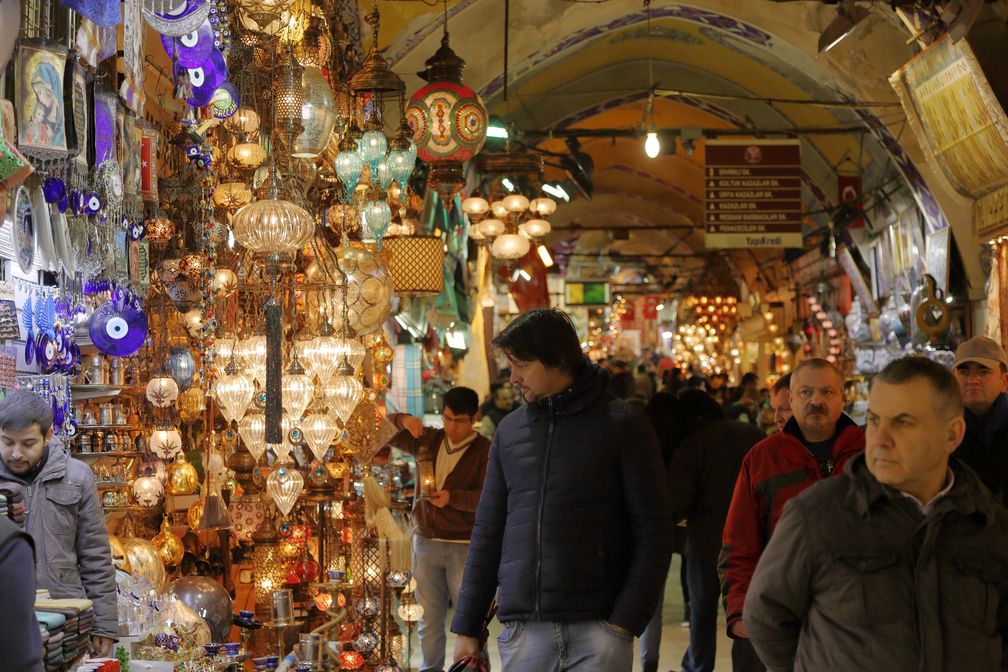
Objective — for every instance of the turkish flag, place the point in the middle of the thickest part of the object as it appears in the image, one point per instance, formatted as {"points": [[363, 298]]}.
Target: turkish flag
{"points": [[849, 191], [650, 309]]}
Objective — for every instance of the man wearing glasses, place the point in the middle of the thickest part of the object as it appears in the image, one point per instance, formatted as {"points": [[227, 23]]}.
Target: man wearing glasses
{"points": [[451, 466]]}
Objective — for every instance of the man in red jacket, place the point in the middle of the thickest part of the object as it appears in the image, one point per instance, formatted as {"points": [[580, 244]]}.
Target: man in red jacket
{"points": [[815, 444], [452, 464]]}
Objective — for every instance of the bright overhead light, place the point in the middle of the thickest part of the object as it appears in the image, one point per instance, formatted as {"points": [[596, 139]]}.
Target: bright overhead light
{"points": [[523, 274], [497, 132], [659, 307], [455, 339], [557, 191], [508, 184], [847, 20], [667, 335], [545, 256], [652, 147]]}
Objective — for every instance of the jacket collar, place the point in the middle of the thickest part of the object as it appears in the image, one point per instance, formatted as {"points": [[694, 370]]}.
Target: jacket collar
{"points": [[994, 422], [588, 384], [55, 466], [968, 495], [843, 436]]}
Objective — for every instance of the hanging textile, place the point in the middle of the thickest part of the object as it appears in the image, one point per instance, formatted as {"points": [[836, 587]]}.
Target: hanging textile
{"points": [[131, 89], [407, 390], [1002, 277], [474, 371], [992, 321]]}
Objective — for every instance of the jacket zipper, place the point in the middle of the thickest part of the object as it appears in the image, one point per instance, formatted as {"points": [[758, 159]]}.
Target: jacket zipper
{"points": [[539, 516]]}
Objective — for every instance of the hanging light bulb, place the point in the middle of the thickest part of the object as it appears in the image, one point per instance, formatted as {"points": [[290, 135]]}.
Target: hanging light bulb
{"points": [[345, 392], [252, 430], [297, 389], [234, 392], [652, 146], [319, 431]]}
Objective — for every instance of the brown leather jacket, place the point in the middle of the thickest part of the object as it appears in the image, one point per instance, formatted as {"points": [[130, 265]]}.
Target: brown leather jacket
{"points": [[453, 522], [856, 578]]}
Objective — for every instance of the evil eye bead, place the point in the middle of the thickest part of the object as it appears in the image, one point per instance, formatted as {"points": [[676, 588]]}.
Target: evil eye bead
{"points": [[53, 189], [93, 203]]}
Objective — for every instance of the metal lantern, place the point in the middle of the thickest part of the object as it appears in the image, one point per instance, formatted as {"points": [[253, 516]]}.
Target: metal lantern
{"points": [[448, 119], [416, 264]]}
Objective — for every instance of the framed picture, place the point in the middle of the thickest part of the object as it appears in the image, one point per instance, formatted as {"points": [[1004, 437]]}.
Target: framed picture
{"points": [[938, 246], [76, 84], [129, 150], [40, 100], [105, 112]]}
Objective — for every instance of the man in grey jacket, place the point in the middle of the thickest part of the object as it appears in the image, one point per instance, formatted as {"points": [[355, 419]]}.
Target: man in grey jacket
{"points": [[62, 513], [901, 563]]}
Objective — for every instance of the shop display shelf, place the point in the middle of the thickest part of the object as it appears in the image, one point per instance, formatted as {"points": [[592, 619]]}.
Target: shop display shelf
{"points": [[128, 428], [98, 456]]}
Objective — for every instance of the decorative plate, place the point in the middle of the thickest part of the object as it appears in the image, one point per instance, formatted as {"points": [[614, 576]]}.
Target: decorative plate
{"points": [[24, 229]]}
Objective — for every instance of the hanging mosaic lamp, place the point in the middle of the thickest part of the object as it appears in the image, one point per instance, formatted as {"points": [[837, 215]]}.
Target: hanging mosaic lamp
{"points": [[252, 430], [234, 392], [319, 432], [284, 485], [297, 389]]}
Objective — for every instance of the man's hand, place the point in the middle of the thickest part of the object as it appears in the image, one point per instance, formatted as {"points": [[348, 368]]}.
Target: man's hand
{"points": [[465, 646], [737, 629], [413, 425], [439, 498], [102, 646]]}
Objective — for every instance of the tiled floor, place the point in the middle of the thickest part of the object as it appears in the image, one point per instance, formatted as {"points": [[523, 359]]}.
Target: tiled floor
{"points": [[675, 638]]}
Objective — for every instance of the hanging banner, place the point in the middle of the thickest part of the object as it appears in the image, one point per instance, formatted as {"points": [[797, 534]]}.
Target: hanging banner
{"points": [[753, 193], [650, 308], [849, 191]]}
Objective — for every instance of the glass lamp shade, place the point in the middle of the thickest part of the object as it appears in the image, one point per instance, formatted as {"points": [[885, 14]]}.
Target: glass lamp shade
{"points": [[475, 206], [320, 354], [401, 163], [232, 195], [273, 226], [353, 349], [245, 120], [182, 477], [410, 613], [225, 281], [159, 229], [252, 430], [234, 392], [542, 206], [247, 155], [147, 491], [516, 203], [344, 394], [284, 485], [319, 432], [448, 121], [162, 391], [222, 349], [251, 352], [169, 547], [416, 264], [318, 114], [297, 390], [498, 209], [348, 169], [247, 514], [378, 216], [510, 246], [165, 443], [372, 148], [475, 234], [384, 174], [535, 228], [491, 227]]}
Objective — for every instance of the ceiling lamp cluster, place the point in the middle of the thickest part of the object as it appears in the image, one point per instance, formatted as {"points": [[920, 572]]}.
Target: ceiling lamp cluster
{"points": [[508, 225], [718, 312]]}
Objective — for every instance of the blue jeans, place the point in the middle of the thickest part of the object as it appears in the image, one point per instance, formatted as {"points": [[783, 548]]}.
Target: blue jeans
{"points": [[437, 567], [546, 646], [650, 639], [701, 575]]}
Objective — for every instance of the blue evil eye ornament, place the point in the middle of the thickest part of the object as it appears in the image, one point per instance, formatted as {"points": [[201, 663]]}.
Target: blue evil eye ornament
{"points": [[119, 327], [53, 189], [204, 78], [191, 49], [93, 203], [137, 230]]}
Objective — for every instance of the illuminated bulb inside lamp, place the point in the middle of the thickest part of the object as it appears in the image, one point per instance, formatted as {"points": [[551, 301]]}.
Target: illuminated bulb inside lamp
{"points": [[652, 146]]}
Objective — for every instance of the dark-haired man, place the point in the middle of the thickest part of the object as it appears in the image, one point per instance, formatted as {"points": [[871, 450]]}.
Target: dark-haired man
{"points": [[62, 513], [444, 511], [981, 370], [814, 445], [898, 564], [574, 526]]}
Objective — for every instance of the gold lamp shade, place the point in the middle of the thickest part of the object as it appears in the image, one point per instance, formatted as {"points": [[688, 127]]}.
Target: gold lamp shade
{"points": [[232, 195], [145, 561], [182, 477], [195, 514], [119, 557], [416, 264], [169, 547], [247, 155]]}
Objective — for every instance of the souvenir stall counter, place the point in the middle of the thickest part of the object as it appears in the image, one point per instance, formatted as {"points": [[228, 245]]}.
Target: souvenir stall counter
{"points": [[205, 234]]}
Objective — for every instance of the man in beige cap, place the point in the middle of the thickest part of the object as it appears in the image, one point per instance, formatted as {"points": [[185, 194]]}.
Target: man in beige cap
{"points": [[981, 369]]}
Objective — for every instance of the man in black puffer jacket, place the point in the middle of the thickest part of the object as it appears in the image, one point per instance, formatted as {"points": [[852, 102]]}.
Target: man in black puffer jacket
{"points": [[574, 524]]}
